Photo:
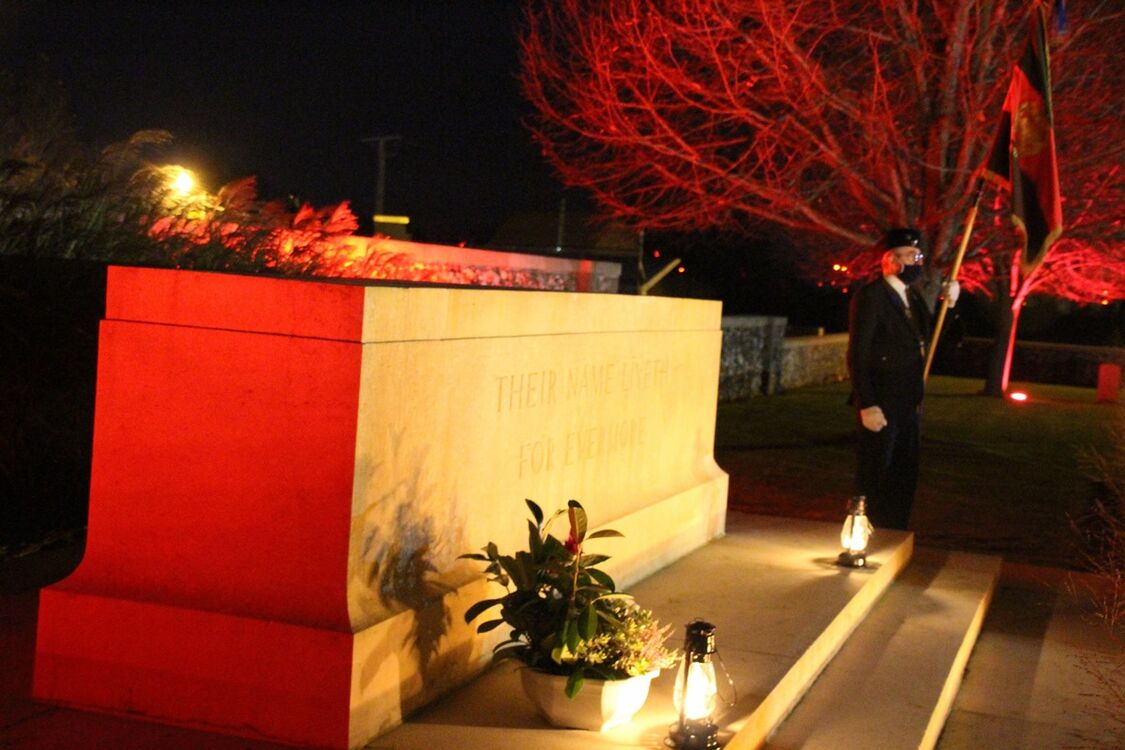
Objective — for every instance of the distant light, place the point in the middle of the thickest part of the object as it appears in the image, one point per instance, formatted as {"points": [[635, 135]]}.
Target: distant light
{"points": [[835, 266], [391, 219], [843, 268], [656, 253], [680, 269], [182, 181], [1018, 396], [1105, 302]]}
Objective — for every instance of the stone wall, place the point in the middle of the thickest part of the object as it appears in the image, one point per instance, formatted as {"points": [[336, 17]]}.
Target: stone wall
{"points": [[752, 356], [1036, 361], [758, 359], [814, 360], [753, 364]]}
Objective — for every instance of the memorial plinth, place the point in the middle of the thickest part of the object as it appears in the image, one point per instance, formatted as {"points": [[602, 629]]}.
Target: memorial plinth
{"points": [[285, 472]]}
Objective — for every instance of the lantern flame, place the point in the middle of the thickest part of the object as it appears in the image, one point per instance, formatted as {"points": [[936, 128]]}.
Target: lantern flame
{"points": [[856, 533], [699, 698]]}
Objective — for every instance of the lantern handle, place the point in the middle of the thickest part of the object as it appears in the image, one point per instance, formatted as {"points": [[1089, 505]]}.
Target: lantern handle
{"points": [[733, 699]]}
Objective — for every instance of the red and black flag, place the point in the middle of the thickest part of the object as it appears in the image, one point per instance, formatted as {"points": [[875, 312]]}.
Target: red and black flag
{"points": [[1023, 156]]}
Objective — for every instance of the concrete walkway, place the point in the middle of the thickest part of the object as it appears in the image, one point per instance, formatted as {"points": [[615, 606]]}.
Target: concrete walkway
{"points": [[1045, 674]]}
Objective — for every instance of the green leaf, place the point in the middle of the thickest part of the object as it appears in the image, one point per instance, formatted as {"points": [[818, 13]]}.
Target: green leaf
{"points": [[602, 577], [472, 612], [602, 673], [588, 622], [484, 627], [472, 556], [514, 568], [604, 533], [552, 547], [577, 520], [589, 561], [534, 541], [572, 638], [568, 636], [536, 511], [574, 683]]}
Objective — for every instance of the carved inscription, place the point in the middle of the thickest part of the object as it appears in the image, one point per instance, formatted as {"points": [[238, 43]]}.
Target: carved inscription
{"points": [[583, 444], [530, 390], [524, 391]]}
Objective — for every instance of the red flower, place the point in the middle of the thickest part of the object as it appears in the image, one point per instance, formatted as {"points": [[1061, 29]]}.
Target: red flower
{"points": [[572, 545]]}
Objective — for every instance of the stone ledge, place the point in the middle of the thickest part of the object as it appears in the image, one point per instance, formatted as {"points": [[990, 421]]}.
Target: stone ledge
{"points": [[782, 610]]}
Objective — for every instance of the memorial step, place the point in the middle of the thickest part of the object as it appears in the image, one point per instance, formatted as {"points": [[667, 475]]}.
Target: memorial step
{"points": [[893, 684], [782, 609]]}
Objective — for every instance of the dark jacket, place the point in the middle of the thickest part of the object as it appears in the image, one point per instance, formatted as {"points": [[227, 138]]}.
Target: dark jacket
{"points": [[886, 347]]}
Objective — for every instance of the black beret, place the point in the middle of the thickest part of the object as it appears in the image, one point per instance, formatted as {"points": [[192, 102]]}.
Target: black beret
{"points": [[902, 237]]}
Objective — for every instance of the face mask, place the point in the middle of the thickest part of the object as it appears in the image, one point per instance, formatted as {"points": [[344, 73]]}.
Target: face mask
{"points": [[910, 274]]}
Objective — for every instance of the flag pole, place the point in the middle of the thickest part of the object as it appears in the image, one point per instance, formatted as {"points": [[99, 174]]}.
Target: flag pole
{"points": [[956, 268]]}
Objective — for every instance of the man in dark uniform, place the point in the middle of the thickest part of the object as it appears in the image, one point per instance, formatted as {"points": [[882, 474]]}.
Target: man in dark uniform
{"points": [[889, 329]]}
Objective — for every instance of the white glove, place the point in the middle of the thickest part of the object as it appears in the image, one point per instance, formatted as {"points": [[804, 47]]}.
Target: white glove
{"points": [[951, 290], [872, 418]]}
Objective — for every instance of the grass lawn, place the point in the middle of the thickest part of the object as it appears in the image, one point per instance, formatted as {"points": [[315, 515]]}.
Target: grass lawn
{"points": [[997, 476]]}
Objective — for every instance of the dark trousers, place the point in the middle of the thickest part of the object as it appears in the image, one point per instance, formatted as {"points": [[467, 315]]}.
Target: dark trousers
{"points": [[888, 467]]}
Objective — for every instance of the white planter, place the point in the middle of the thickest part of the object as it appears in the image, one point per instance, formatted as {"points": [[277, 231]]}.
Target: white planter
{"points": [[600, 705]]}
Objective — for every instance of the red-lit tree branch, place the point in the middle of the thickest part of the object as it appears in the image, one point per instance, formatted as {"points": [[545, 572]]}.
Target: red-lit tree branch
{"points": [[834, 119]]}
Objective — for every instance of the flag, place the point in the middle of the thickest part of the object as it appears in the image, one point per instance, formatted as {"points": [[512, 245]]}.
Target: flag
{"points": [[1023, 156]]}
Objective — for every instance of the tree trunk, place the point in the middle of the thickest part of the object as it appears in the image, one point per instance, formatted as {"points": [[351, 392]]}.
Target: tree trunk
{"points": [[1006, 378], [998, 356]]}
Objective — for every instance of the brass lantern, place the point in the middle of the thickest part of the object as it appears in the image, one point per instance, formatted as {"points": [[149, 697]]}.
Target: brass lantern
{"points": [[697, 691], [855, 534]]}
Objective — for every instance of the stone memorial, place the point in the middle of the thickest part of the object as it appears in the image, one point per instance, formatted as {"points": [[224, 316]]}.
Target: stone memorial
{"points": [[285, 472]]}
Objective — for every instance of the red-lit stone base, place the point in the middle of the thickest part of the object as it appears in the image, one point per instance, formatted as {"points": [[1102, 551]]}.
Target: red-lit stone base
{"points": [[255, 678], [212, 592]]}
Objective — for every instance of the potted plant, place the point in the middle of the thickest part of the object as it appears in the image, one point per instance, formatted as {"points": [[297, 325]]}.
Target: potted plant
{"points": [[583, 643]]}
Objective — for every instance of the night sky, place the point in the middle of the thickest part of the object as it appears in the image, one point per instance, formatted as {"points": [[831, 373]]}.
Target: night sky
{"points": [[287, 90]]}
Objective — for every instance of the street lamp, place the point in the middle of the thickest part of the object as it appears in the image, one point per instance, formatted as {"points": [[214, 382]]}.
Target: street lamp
{"points": [[181, 181]]}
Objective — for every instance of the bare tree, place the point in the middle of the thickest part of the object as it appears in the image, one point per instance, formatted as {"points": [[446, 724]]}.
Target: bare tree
{"points": [[831, 118]]}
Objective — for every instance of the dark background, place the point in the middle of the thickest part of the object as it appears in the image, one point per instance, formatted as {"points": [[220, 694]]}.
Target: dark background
{"points": [[287, 91]]}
